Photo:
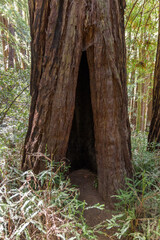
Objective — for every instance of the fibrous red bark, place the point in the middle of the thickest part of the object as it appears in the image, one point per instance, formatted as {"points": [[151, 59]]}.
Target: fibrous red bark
{"points": [[61, 31], [154, 131]]}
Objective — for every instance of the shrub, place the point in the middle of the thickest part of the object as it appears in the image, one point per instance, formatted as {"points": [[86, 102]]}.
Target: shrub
{"points": [[43, 206], [139, 203]]}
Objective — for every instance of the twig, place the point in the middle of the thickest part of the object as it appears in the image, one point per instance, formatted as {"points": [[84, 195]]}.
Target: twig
{"points": [[131, 12], [5, 113]]}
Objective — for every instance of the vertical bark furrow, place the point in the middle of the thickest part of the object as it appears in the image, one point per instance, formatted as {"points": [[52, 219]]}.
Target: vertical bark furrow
{"points": [[38, 32], [58, 26]]}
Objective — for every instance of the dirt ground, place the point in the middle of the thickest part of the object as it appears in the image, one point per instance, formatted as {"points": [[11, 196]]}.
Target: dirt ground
{"points": [[86, 182]]}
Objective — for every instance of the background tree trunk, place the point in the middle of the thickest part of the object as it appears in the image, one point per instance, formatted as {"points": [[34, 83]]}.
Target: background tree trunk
{"points": [[4, 40], [11, 52], [154, 131], [61, 31]]}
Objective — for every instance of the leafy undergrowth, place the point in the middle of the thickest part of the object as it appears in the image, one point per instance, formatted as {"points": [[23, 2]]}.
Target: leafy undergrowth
{"points": [[14, 112], [139, 203], [46, 205], [43, 206]]}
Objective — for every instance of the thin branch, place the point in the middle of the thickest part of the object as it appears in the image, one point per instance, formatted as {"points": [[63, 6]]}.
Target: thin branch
{"points": [[6, 111], [131, 12]]}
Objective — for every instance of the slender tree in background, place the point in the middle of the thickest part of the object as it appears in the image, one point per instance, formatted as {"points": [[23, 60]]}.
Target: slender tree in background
{"points": [[78, 89], [14, 81], [15, 35], [11, 52], [141, 40], [4, 40], [154, 131]]}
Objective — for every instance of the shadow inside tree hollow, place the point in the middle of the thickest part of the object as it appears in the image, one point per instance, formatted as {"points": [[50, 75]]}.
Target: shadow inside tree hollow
{"points": [[81, 149]]}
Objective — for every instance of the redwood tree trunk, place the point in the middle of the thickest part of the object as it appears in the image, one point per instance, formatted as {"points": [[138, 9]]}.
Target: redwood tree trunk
{"points": [[154, 131], [61, 31]]}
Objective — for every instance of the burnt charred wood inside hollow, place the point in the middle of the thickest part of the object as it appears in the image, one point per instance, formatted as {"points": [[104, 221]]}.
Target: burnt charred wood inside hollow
{"points": [[81, 150]]}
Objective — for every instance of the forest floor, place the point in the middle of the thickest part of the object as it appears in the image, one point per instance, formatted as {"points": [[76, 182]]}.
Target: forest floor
{"points": [[86, 182]]}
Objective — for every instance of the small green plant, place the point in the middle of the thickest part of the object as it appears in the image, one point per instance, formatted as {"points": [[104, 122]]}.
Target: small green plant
{"points": [[139, 203], [42, 206], [95, 183]]}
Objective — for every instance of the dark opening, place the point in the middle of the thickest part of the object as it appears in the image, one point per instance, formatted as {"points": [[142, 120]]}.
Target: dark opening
{"points": [[81, 150]]}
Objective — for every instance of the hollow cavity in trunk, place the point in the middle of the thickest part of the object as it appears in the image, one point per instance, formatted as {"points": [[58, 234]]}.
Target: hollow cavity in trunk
{"points": [[81, 149]]}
